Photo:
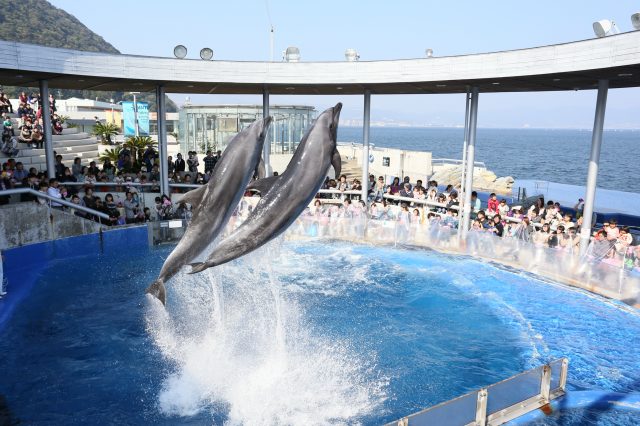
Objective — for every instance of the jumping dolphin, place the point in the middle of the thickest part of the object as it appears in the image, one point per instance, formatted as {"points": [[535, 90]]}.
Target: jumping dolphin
{"points": [[284, 197], [213, 203]]}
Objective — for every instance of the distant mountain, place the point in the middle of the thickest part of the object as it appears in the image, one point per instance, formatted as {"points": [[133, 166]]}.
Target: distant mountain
{"points": [[39, 22]]}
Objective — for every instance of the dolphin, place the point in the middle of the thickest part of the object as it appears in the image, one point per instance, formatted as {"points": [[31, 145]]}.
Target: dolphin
{"points": [[285, 196], [213, 203]]}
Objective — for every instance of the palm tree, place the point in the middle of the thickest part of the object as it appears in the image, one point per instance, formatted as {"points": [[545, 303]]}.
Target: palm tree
{"points": [[137, 145], [104, 131], [111, 154]]}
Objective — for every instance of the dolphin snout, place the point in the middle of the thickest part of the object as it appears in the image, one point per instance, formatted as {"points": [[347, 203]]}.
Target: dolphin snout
{"points": [[336, 111]]}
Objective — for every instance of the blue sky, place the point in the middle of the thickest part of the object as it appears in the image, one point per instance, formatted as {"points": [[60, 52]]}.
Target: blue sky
{"points": [[378, 30]]}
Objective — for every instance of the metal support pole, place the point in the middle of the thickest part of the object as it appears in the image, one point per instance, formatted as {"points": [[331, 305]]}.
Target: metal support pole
{"points": [[46, 127], [366, 122], [267, 143], [135, 115], [162, 140], [461, 197], [464, 145], [594, 160], [473, 122]]}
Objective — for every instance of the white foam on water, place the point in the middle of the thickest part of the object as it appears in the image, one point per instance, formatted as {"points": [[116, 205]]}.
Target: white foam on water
{"points": [[239, 346]]}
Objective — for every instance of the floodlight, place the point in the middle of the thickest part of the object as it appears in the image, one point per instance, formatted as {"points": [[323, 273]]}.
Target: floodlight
{"points": [[351, 55], [292, 54], [429, 53], [605, 28], [206, 54], [180, 51], [635, 20]]}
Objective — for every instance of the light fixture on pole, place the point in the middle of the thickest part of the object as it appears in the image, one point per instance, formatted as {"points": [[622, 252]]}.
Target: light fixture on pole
{"points": [[351, 55], [635, 20], [605, 28], [429, 53], [292, 54], [180, 51], [206, 54]]}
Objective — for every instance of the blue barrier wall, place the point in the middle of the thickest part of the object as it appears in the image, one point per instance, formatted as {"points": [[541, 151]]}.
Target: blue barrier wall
{"points": [[23, 266]]}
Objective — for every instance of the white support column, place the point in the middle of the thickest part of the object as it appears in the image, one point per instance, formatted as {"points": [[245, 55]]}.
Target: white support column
{"points": [[267, 143], [473, 122], [461, 197], [464, 144], [594, 160], [366, 124], [46, 127], [162, 140]]}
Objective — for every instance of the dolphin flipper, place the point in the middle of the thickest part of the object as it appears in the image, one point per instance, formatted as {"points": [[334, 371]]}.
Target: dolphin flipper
{"points": [[158, 290], [336, 162], [194, 197], [262, 185], [198, 267]]}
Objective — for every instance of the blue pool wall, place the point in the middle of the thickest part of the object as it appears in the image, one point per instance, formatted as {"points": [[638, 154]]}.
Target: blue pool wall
{"points": [[22, 266], [593, 400]]}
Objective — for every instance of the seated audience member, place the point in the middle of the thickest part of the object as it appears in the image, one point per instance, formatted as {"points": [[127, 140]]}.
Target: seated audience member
{"points": [[492, 204]]}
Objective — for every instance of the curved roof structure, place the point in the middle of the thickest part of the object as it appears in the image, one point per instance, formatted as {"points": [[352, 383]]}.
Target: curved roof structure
{"points": [[570, 66]]}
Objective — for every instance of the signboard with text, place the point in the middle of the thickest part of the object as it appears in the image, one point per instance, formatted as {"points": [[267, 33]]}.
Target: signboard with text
{"points": [[129, 118]]}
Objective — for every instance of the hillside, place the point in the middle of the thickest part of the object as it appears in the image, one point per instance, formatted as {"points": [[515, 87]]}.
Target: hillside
{"points": [[39, 22]]}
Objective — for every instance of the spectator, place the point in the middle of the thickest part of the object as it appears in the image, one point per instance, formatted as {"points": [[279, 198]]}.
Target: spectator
{"points": [[54, 191], [492, 204], [171, 167], [131, 209], [209, 162], [179, 164], [192, 162]]}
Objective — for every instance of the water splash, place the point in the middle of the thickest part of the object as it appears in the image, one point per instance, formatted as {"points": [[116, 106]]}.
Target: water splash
{"points": [[240, 348]]}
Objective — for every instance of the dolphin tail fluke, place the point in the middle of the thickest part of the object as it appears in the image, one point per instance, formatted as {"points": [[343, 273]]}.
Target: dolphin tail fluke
{"points": [[198, 267], [336, 162], [158, 290]]}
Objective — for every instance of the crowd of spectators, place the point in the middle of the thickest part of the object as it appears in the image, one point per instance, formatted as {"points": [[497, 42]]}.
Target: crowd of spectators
{"points": [[543, 224], [29, 122]]}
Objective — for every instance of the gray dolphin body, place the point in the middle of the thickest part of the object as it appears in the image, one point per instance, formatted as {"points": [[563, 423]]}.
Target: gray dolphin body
{"points": [[284, 197], [214, 202]]}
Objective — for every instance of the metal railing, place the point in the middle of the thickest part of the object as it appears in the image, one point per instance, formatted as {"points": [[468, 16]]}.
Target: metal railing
{"points": [[53, 199], [500, 402], [453, 161]]}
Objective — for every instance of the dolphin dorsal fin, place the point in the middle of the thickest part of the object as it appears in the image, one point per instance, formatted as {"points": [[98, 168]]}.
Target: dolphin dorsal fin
{"points": [[194, 197], [262, 185], [336, 162]]}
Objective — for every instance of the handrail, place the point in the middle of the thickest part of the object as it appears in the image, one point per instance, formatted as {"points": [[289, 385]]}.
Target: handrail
{"points": [[419, 201], [186, 185], [54, 199], [443, 161], [107, 184], [337, 191]]}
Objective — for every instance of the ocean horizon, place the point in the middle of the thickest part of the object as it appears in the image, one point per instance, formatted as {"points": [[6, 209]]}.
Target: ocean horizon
{"points": [[553, 155]]}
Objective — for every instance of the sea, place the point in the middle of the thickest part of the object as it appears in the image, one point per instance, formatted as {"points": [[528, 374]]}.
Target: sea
{"points": [[551, 155]]}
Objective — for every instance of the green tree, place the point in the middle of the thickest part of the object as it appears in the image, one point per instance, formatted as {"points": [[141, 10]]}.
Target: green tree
{"points": [[104, 131], [111, 154], [137, 145]]}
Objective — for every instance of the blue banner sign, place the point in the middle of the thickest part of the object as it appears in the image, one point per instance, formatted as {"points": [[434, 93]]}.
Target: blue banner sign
{"points": [[129, 118]]}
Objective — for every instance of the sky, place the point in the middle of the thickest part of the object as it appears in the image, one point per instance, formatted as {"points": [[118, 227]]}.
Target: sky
{"points": [[378, 30]]}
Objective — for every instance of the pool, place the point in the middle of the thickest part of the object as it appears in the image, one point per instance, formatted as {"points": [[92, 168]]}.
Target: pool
{"points": [[311, 332]]}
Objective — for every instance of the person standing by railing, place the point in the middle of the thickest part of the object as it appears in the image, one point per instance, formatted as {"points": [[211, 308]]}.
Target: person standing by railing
{"points": [[54, 191]]}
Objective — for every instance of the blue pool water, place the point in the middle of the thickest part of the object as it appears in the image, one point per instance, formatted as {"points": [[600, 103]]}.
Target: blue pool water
{"points": [[300, 332]]}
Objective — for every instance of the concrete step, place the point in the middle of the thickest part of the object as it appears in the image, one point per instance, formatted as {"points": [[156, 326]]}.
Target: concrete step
{"points": [[70, 131], [72, 136], [72, 143], [30, 152]]}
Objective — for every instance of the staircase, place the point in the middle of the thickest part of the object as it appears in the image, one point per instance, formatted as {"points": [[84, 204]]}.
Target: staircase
{"points": [[70, 144], [352, 169]]}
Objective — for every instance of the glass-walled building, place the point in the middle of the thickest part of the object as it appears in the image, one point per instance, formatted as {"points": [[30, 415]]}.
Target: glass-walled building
{"points": [[204, 127]]}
